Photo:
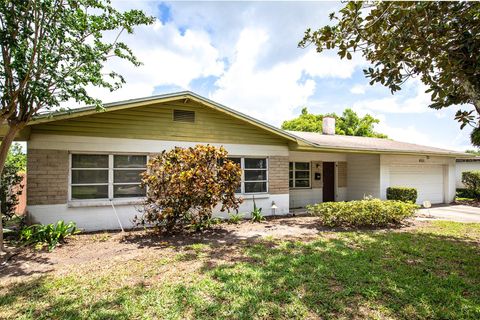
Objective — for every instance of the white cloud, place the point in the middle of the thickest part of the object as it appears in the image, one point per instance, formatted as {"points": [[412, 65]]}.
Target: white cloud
{"points": [[169, 58], [412, 134], [272, 93], [358, 89]]}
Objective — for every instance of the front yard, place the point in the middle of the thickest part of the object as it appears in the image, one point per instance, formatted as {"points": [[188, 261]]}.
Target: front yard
{"points": [[430, 270]]}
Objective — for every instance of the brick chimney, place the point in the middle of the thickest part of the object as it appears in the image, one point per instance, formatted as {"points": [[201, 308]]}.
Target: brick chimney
{"points": [[328, 125]]}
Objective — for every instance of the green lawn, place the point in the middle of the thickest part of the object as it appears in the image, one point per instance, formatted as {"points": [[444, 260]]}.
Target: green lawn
{"points": [[431, 272]]}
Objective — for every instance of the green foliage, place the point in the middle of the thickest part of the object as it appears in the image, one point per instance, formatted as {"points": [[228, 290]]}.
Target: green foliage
{"points": [[11, 178], [404, 194], [435, 41], [256, 214], [362, 213], [53, 49], [465, 193], [50, 235], [185, 184], [235, 218], [471, 180], [349, 124], [204, 223], [474, 152]]}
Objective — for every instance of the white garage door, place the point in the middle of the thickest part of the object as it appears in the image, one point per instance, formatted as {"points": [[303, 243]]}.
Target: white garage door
{"points": [[428, 180]]}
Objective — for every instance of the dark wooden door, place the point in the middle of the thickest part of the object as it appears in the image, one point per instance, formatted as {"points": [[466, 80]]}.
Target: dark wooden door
{"points": [[328, 181]]}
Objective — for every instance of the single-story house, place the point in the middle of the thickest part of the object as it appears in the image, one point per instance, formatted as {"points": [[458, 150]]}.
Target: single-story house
{"points": [[472, 164], [84, 165]]}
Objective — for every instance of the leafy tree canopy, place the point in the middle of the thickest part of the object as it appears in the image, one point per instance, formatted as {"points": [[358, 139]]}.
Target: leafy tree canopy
{"points": [[474, 152], [51, 50], [349, 124], [437, 41]]}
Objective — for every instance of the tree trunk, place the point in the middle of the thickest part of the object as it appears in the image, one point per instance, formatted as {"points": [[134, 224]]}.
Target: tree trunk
{"points": [[4, 147]]}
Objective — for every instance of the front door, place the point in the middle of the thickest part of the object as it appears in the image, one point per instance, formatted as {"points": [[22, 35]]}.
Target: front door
{"points": [[328, 181]]}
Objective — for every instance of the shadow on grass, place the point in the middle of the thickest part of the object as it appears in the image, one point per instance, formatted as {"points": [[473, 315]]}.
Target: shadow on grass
{"points": [[350, 275]]}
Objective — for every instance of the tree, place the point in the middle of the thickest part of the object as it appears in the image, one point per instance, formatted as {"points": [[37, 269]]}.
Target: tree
{"points": [[11, 177], [436, 41], [473, 152], [185, 184], [51, 50], [348, 124]]}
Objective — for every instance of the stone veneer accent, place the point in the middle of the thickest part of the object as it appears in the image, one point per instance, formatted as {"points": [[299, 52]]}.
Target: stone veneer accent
{"points": [[47, 172], [278, 175]]}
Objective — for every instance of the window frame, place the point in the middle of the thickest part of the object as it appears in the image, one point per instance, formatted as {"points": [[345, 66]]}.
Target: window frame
{"points": [[111, 170], [242, 167], [293, 179]]}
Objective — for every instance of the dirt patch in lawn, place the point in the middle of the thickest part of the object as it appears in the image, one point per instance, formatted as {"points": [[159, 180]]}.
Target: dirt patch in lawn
{"points": [[101, 250]]}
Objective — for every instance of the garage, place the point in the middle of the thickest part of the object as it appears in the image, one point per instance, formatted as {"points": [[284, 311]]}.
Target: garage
{"points": [[427, 179]]}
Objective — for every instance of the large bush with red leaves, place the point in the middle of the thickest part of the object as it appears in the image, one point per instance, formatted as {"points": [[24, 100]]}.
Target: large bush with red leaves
{"points": [[185, 184]]}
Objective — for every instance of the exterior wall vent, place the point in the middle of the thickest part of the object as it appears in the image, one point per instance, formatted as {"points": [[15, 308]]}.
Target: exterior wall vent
{"points": [[184, 116]]}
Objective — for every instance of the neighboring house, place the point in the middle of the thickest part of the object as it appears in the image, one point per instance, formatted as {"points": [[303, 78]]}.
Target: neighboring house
{"points": [[463, 165], [79, 160]]}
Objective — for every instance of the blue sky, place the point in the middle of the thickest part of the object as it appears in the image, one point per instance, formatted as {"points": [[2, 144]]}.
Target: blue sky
{"points": [[245, 55]]}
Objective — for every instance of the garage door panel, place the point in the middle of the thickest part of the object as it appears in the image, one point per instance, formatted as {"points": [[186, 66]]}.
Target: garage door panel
{"points": [[428, 180]]}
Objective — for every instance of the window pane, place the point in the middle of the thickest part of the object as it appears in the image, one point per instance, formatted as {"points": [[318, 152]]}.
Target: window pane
{"points": [[302, 174], [290, 174], [89, 176], [126, 161], [302, 165], [89, 192], [253, 175], [290, 183], [302, 183], [235, 160], [125, 176], [255, 163], [89, 161], [290, 165], [128, 191], [251, 187]]}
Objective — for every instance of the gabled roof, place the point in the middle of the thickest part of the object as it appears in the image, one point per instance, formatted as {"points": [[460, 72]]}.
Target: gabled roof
{"points": [[302, 141], [375, 145], [182, 95]]}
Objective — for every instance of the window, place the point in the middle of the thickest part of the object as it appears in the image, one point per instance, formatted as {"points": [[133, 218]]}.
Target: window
{"points": [[254, 175], [299, 174], [105, 176]]}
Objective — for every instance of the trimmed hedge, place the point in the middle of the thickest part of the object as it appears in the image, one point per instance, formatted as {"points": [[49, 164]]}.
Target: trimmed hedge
{"points": [[362, 213], [465, 193], [404, 194], [471, 180]]}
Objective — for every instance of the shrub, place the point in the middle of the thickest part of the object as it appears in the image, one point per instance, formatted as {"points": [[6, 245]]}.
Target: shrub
{"points": [[256, 214], [204, 224], [11, 178], [404, 194], [471, 180], [50, 234], [235, 218], [362, 213], [185, 184], [465, 193]]}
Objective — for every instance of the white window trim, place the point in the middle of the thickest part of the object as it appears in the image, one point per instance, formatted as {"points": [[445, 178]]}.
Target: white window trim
{"points": [[110, 179], [242, 183], [294, 178]]}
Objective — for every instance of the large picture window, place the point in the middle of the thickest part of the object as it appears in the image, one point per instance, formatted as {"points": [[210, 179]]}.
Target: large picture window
{"points": [[254, 174], [299, 174], [102, 176]]}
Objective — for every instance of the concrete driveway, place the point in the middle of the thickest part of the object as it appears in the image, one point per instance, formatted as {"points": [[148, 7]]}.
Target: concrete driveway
{"points": [[458, 213]]}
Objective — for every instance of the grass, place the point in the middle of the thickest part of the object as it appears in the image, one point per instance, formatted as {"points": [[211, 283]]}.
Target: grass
{"points": [[431, 272]]}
